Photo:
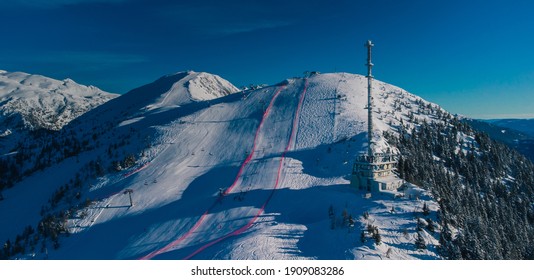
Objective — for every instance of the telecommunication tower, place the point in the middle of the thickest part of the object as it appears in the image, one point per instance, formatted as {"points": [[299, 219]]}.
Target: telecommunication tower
{"points": [[369, 65], [373, 171]]}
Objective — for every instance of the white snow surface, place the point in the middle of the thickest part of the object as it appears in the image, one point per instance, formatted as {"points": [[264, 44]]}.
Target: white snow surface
{"points": [[282, 155], [34, 101], [194, 87]]}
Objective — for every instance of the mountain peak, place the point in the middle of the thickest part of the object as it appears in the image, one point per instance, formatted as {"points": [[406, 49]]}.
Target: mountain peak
{"points": [[180, 73], [185, 87]]}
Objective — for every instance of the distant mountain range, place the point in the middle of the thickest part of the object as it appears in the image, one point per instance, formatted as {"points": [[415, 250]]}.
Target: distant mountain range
{"points": [[523, 125], [516, 133]]}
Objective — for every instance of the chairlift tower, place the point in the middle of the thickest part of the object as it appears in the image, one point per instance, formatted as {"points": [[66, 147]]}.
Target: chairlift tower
{"points": [[129, 192]]}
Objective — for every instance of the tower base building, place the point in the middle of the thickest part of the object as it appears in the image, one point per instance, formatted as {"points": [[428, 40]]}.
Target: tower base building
{"points": [[375, 173]]}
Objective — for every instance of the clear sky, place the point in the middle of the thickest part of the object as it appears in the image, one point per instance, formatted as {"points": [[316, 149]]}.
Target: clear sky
{"points": [[474, 58]]}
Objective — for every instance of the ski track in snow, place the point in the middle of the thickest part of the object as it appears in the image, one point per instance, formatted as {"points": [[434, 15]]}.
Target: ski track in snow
{"points": [[228, 190], [246, 162], [279, 172]]}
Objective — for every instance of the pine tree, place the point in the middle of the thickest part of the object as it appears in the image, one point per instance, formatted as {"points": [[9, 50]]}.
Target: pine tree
{"points": [[345, 216], [377, 237], [351, 221], [332, 217], [430, 225], [426, 211], [7, 249], [420, 243], [420, 225], [370, 229]]}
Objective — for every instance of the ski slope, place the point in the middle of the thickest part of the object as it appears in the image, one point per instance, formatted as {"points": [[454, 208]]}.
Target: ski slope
{"points": [[280, 156], [254, 181]]}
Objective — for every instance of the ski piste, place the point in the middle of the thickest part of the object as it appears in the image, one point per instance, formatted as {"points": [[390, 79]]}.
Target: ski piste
{"points": [[239, 184]]}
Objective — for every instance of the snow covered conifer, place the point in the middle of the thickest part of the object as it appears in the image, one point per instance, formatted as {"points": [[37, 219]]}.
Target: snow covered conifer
{"points": [[330, 211], [345, 215], [430, 225], [420, 243], [377, 237], [426, 211], [332, 217]]}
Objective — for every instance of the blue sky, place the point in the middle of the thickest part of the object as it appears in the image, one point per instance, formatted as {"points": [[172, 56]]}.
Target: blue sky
{"points": [[472, 57]]}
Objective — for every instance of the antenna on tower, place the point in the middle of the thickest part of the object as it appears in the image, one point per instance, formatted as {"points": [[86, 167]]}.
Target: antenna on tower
{"points": [[369, 65]]}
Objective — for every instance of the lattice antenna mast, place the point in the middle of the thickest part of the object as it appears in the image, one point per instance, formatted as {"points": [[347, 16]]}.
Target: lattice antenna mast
{"points": [[369, 65]]}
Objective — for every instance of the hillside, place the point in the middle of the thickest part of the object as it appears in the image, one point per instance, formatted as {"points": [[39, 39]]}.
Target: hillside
{"points": [[259, 174], [29, 103], [519, 140], [485, 192]]}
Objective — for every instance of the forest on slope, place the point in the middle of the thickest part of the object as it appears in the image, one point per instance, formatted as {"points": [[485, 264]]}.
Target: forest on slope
{"points": [[485, 189]]}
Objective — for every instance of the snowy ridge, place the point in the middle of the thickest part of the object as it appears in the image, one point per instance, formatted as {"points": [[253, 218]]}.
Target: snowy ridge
{"points": [[249, 175], [193, 87], [34, 101], [165, 94]]}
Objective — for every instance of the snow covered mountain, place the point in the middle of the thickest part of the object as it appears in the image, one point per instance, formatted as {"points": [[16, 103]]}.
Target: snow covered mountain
{"points": [[35, 102], [164, 173], [194, 87], [169, 92]]}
